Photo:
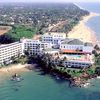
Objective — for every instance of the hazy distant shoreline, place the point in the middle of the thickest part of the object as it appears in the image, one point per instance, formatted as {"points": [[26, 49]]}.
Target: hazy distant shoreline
{"points": [[82, 31]]}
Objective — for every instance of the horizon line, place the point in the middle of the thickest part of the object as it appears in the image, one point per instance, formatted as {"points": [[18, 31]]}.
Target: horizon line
{"points": [[48, 2]]}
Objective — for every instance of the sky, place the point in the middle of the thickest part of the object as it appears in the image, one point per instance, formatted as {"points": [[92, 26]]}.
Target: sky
{"points": [[49, 0]]}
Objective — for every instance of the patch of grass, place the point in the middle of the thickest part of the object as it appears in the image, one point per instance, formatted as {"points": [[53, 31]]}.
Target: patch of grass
{"points": [[20, 31], [91, 71]]}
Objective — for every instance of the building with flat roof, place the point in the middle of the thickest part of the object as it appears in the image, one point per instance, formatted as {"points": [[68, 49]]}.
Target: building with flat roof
{"points": [[75, 46], [34, 46], [53, 38], [74, 61], [8, 51]]}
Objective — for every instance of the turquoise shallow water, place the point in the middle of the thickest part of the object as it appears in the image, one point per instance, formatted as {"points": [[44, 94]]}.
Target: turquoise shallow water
{"points": [[44, 87]]}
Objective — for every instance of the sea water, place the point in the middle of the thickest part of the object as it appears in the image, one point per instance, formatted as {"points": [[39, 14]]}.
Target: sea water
{"points": [[45, 87], [94, 22]]}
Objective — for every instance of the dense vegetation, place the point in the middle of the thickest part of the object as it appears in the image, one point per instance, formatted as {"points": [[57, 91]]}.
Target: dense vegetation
{"points": [[39, 17], [96, 53], [18, 32], [76, 77], [68, 26]]}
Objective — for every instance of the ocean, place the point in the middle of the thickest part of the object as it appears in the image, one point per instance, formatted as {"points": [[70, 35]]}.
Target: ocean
{"points": [[94, 22], [44, 87]]}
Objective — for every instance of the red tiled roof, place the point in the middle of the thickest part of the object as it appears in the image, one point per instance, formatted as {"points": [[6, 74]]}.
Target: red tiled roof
{"points": [[74, 51]]}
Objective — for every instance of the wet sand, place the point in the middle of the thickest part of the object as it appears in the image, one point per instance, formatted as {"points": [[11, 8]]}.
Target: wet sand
{"points": [[83, 32], [11, 69]]}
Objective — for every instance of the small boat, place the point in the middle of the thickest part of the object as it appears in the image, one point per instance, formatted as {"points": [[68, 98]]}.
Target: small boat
{"points": [[16, 77]]}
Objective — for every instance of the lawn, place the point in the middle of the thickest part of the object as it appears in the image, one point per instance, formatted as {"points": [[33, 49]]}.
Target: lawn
{"points": [[20, 31]]}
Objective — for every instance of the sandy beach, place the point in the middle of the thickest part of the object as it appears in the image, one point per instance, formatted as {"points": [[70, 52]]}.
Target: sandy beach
{"points": [[14, 68], [83, 32], [80, 31], [8, 71]]}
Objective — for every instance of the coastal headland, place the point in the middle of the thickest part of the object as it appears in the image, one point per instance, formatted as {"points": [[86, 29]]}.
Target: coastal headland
{"points": [[80, 31]]}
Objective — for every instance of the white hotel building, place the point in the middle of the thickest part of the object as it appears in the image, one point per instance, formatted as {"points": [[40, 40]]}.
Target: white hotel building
{"points": [[75, 62], [34, 46], [67, 46], [53, 38], [8, 51], [75, 46]]}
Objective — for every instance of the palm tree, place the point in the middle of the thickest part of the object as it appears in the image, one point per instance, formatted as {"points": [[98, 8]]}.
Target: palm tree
{"points": [[23, 60], [14, 59], [65, 58], [68, 70]]}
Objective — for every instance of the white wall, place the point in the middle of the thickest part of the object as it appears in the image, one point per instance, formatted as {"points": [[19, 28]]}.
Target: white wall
{"points": [[74, 47], [88, 49], [71, 47], [32, 44], [54, 38], [10, 50]]}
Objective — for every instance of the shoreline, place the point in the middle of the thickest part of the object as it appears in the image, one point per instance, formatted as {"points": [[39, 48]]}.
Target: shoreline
{"points": [[10, 70], [80, 31], [13, 69], [83, 32]]}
